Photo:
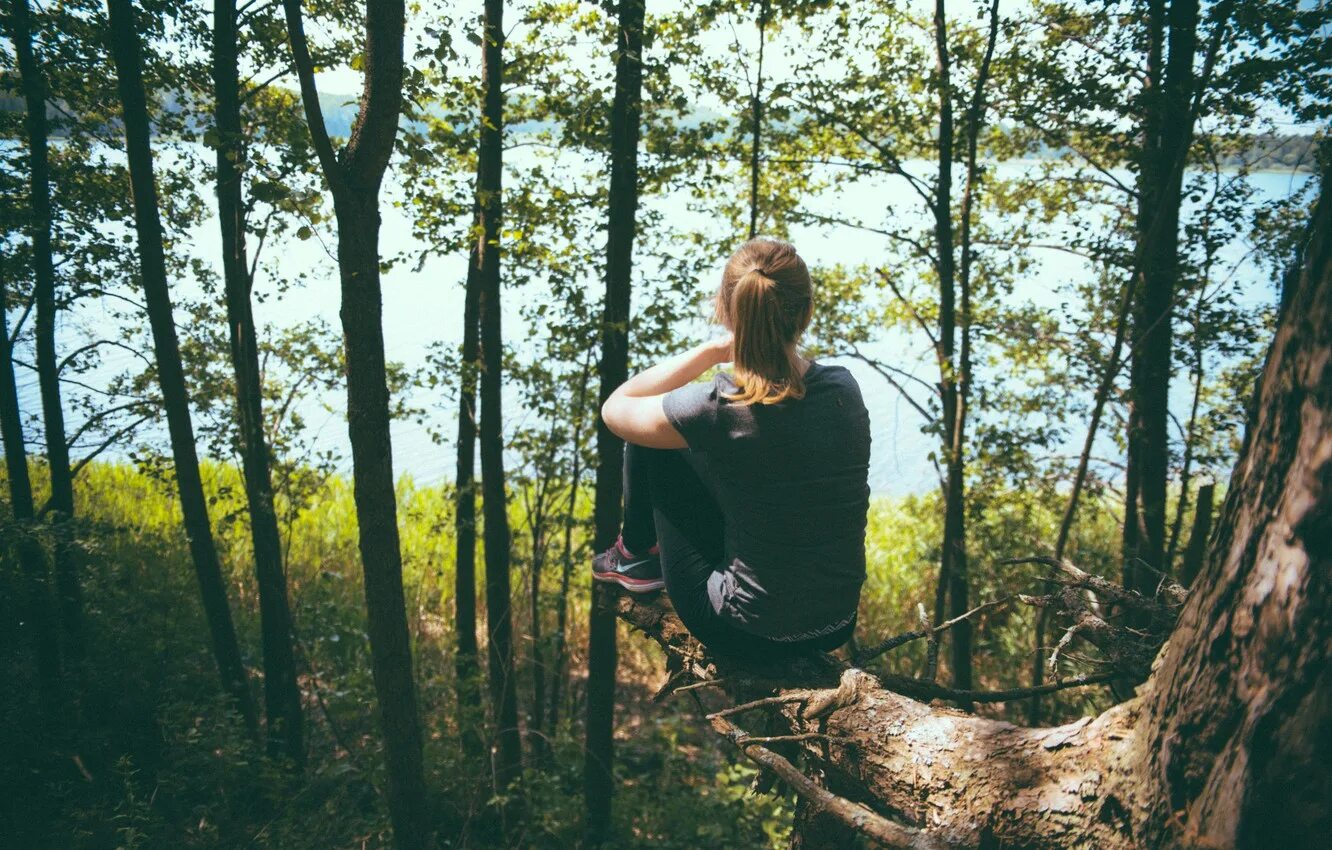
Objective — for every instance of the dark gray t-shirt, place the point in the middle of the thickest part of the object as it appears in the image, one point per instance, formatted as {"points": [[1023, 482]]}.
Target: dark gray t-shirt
{"points": [[792, 480]]}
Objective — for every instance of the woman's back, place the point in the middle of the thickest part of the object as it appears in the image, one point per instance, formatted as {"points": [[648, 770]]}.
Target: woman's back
{"points": [[791, 479]]}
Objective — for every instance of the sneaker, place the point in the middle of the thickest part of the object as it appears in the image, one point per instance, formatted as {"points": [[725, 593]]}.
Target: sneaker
{"points": [[632, 572]]}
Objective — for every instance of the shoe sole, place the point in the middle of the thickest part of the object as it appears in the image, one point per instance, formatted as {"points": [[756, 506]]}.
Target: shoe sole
{"points": [[634, 585]]}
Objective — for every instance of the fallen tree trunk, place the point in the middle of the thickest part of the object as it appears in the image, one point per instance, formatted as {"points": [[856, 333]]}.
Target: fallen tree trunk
{"points": [[1224, 745]]}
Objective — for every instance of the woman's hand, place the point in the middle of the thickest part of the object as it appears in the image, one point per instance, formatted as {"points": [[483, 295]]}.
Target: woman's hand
{"points": [[722, 349]]}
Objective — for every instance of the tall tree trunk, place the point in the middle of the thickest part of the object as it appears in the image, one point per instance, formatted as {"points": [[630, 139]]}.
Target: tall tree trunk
{"points": [[953, 565], [537, 715], [536, 509], [464, 523], [354, 177], [127, 53], [956, 501], [48, 371], [557, 664], [756, 107], [614, 370], [1167, 128], [282, 696], [1149, 205], [36, 607], [1112, 366], [494, 503], [1190, 440], [376, 512], [1239, 705]]}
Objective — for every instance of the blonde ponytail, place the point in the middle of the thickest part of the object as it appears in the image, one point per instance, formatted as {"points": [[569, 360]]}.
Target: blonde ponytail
{"points": [[766, 300]]}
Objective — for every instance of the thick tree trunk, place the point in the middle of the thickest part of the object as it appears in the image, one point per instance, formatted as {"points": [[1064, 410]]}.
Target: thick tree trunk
{"points": [[282, 695], [36, 607], [48, 371], [494, 501], [614, 370], [355, 177], [1225, 744], [126, 52], [1239, 704]]}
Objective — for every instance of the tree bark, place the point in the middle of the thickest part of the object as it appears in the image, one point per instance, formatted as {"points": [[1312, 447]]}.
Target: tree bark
{"points": [[40, 225], [1225, 743], [127, 53], [1167, 129], [36, 605], [614, 370], [282, 695], [354, 178], [494, 501]]}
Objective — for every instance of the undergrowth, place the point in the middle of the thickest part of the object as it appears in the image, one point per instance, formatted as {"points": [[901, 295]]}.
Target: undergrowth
{"points": [[147, 753]]}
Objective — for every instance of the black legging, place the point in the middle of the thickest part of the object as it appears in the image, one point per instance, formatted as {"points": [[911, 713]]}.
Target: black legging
{"points": [[667, 501]]}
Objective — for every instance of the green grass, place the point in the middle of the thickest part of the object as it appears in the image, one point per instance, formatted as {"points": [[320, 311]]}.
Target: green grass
{"points": [[151, 756]]}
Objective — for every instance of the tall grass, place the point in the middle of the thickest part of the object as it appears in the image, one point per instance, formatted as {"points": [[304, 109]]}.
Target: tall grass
{"points": [[170, 767]]}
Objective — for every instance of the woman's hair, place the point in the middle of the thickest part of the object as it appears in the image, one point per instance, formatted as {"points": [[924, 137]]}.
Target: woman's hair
{"points": [[766, 300]]}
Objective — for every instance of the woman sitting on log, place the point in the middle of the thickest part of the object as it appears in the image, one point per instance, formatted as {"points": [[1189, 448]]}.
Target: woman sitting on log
{"points": [[746, 496]]}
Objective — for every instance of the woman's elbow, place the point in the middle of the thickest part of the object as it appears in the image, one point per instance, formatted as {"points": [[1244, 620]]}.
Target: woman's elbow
{"points": [[612, 415]]}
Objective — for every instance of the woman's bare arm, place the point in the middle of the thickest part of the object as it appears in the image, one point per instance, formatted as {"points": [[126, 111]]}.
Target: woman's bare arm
{"points": [[634, 411]]}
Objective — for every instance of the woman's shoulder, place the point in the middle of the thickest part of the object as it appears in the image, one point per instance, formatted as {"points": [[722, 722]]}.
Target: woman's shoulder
{"points": [[833, 373]]}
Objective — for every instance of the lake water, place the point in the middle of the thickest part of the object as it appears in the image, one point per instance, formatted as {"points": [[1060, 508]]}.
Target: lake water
{"points": [[424, 306]]}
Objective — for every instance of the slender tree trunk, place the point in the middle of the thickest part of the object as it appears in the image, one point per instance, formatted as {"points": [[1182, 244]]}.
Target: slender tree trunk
{"points": [[957, 448], [953, 566], [1107, 383], [1196, 549], [354, 177], [376, 512], [282, 695], [40, 225], [614, 370], [756, 107], [494, 501], [1149, 204], [1185, 471], [464, 524], [126, 51], [557, 664], [537, 508], [1167, 130], [36, 607], [537, 714]]}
